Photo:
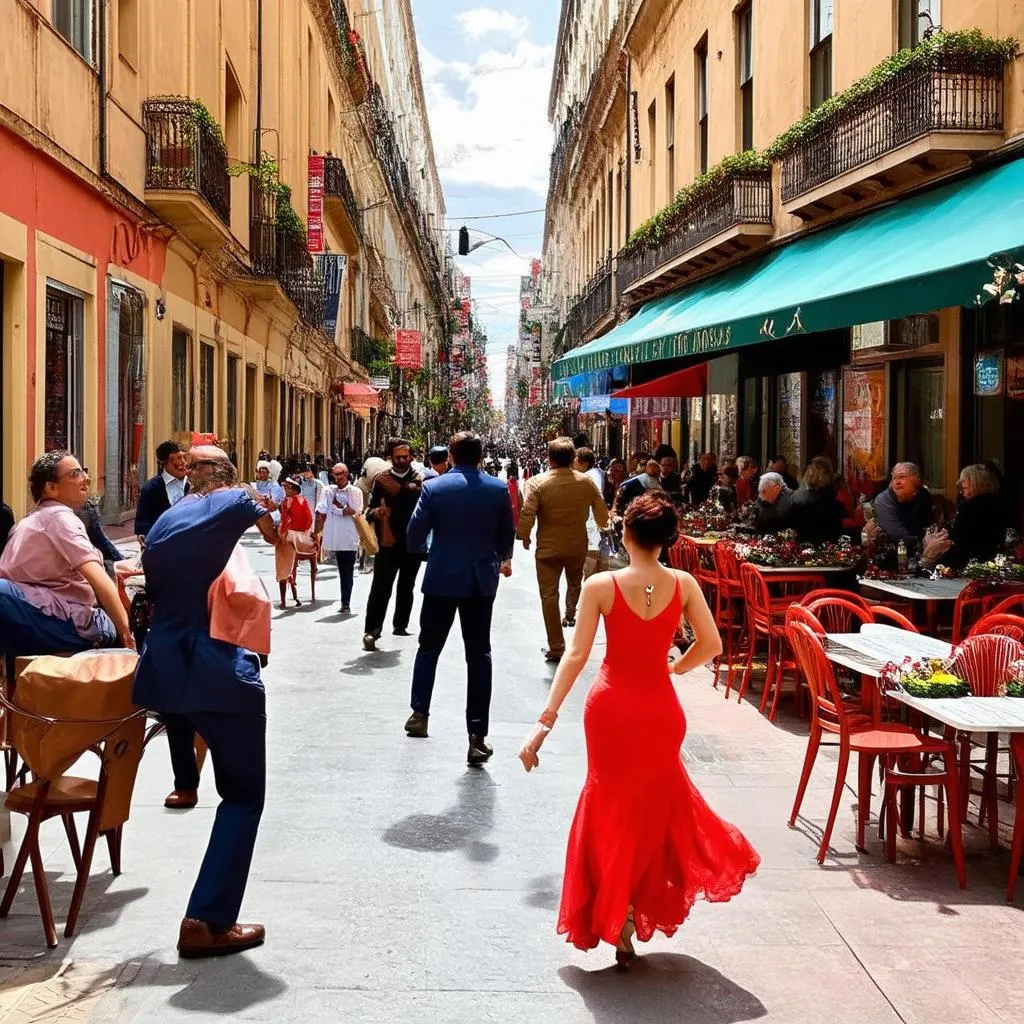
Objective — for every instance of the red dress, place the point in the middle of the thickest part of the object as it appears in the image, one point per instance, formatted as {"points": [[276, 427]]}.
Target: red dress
{"points": [[643, 837]]}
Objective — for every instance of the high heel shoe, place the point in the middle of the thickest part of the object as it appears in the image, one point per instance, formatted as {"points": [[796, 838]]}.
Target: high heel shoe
{"points": [[625, 954]]}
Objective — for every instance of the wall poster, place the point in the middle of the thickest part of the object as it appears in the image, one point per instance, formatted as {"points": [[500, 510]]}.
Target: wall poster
{"points": [[864, 430]]}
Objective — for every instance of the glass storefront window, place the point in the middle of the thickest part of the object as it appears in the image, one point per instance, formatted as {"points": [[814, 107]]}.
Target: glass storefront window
{"points": [[723, 425], [920, 419], [821, 415], [789, 435]]}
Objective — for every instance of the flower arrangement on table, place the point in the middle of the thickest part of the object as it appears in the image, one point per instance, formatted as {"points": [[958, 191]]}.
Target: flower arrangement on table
{"points": [[1001, 569], [875, 572], [923, 677], [709, 519], [783, 550], [1015, 680]]}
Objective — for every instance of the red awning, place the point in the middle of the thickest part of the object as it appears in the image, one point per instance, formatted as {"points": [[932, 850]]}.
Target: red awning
{"points": [[689, 383], [361, 396]]}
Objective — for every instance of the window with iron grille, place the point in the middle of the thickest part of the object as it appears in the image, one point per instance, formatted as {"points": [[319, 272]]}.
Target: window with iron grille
{"points": [[701, 58], [745, 53], [207, 359], [73, 19], [181, 381], [670, 137], [821, 51]]}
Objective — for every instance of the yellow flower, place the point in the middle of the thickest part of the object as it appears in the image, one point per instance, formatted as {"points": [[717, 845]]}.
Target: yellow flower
{"points": [[942, 677]]}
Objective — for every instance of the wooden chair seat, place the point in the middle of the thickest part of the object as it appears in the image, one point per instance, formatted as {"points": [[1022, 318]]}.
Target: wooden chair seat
{"points": [[67, 794]]}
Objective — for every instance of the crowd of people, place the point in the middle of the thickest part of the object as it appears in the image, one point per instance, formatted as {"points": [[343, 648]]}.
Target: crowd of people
{"points": [[457, 510]]}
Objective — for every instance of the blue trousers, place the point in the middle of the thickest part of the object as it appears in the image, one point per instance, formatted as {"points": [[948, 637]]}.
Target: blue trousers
{"points": [[24, 629], [436, 619], [346, 566], [238, 751]]}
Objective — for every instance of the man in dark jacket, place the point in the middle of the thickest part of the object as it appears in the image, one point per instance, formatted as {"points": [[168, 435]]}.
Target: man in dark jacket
{"points": [[703, 477], [470, 517], [392, 501], [165, 489], [903, 510], [771, 510]]}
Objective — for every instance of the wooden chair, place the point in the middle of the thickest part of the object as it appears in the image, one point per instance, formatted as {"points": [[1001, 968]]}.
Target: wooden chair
{"points": [[50, 745]]}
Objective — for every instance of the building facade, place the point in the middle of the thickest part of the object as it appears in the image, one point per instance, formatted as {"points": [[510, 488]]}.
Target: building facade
{"points": [[208, 224], [699, 145]]}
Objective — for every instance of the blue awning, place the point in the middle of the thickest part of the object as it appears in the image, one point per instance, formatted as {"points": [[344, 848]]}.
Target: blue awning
{"points": [[604, 403]]}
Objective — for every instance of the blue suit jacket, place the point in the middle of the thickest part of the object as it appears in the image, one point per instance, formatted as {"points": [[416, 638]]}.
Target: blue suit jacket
{"points": [[470, 516], [153, 502]]}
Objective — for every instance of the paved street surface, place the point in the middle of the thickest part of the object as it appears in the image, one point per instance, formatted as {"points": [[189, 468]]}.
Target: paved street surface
{"points": [[399, 885]]}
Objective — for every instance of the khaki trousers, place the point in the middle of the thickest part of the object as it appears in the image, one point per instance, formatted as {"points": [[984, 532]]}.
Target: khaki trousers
{"points": [[549, 577]]}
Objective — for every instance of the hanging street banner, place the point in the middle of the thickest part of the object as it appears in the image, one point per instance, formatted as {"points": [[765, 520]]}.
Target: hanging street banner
{"points": [[332, 269], [464, 288], [408, 350], [315, 219]]}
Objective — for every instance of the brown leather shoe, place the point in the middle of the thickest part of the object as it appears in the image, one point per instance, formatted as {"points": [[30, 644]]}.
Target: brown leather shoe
{"points": [[417, 725], [479, 750], [197, 939], [182, 799]]}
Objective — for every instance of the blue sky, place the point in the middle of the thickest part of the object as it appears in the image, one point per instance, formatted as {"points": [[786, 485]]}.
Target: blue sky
{"points": [[486, 74]]}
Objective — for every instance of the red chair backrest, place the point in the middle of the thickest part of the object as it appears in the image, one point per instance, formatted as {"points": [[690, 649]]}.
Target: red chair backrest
{"points": [[984, 661], [891, 617], [978, 599], [755, 593], [807, 648], [1001, 623], [726, 562], [843, 595], [838, 614], [677, 556], [1013, 605], [798, 613]]}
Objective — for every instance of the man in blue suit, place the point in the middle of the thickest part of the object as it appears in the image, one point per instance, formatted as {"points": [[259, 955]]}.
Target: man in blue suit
{"points": [[470, 516], [164, 490]]}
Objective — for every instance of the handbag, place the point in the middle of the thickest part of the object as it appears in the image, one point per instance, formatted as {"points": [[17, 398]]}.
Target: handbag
{"points": [[367, 534], [611, 553]]}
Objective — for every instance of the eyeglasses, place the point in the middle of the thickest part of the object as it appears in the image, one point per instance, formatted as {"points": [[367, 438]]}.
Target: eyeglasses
{"points": [[75, 474], [204, 462]]}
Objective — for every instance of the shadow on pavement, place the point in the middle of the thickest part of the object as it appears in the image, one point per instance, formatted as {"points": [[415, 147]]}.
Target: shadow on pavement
{"points": [[228, 988], [461, 827], [544, 892], [371, 661], [662, 986]]}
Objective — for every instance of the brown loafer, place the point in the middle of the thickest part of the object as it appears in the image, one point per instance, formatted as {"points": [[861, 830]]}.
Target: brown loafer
{"points": [[197, 939], [182, 799]]}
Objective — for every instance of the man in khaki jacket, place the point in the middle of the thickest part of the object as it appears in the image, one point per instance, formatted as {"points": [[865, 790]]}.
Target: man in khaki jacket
{"points": [[560, 501]]}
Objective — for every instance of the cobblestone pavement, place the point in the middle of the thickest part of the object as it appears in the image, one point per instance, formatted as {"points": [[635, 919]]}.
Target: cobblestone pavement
{"points": [[398, 885]]}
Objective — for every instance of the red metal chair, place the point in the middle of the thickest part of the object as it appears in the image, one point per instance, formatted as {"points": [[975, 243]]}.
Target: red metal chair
{"points": [[889, 742], [890, 617], [978, 599], [700, 562], [835, 617], [983, 662], [1013, 605], [1000, 623], [729, 611]]}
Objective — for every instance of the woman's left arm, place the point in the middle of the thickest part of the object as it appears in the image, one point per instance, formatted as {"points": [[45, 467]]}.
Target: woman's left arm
{"points": [[569, 669], [707, 643]]}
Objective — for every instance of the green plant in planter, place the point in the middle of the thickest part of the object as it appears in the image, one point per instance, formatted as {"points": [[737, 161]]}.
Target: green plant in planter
{"points": [[202, 118], [657, 228], [944, 51]]}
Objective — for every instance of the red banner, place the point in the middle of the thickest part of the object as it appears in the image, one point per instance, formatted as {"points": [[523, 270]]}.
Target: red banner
{"points": [[315, 234], [408, 350]]}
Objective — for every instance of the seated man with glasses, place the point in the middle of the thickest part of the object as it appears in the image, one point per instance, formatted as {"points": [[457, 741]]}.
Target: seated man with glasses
{"points": [[55, 595]]}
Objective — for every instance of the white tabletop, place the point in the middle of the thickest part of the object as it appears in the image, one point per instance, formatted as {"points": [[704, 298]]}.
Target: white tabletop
{"points": [[918, 589], [868, 651], [969, 714]]}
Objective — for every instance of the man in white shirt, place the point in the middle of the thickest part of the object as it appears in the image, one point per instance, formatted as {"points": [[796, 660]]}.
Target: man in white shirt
{"points": [[271, 493], [164, 490], [586, 463], [335, 520]]}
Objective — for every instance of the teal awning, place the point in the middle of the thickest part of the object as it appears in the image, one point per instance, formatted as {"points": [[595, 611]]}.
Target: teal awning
{"points": [[918, 255]]}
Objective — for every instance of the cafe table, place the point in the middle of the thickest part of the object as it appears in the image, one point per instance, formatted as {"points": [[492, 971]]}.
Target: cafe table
{"points": [[918, 592], [985, 715]]}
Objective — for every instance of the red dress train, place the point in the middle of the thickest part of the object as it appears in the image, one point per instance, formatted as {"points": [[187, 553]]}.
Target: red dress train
{"points": [[643, 837]]}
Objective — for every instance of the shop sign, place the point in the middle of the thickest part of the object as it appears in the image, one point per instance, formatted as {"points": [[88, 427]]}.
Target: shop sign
{"points": [[865, 336], [381, 383], [1015, 376], [408, 350], [315, 219], [988, 374]]}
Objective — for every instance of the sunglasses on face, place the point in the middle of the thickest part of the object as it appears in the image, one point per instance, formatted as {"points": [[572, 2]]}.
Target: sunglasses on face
{"points": [[75, 474]]}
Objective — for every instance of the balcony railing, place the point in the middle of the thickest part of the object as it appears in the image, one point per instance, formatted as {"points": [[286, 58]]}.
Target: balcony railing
{"points": [[336, 183], [572, 331], [278, 253], [184, 153], [597, 298], [739, 199], [373, 353], [963, 95]]}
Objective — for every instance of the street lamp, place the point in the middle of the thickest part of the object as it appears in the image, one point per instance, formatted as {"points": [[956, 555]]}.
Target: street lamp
{"points": [[466, 247]]}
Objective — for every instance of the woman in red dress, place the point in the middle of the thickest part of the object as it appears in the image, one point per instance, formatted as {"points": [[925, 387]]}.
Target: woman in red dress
{"points": [[644, 845], [296, 531]]}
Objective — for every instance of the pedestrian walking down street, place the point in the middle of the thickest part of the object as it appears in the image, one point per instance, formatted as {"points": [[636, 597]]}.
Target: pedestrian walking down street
{"points": [[211, 683], [392, 501], [340, 503], [296, 531], [470, 517], [372, 468], [644, 845], [559, 502]]}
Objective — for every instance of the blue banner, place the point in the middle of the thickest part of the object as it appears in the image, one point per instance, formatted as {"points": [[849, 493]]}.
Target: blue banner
{"points": [[332, 266]]}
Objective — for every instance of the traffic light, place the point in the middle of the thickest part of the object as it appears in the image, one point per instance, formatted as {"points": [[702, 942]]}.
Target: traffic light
{"points": [[463, 241]]}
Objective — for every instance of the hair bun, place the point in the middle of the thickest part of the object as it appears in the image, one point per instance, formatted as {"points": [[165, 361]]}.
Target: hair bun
{"points": [[652, 520]]}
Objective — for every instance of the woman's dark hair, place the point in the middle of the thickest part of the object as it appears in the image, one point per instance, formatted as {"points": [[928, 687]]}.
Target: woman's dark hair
{"points": [[652, 520], [44, 471]]}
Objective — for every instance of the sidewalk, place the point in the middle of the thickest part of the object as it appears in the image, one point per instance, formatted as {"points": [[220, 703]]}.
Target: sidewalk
{"points": [[397, 885]]}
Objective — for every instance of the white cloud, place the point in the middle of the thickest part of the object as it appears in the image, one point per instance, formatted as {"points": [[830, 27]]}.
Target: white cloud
{"points": [[488, 119], [485, 21]]}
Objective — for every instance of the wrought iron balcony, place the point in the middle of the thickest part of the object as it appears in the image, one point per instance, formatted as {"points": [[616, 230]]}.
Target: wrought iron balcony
{"points": [[596, 302], [742, 199], [337, 187], [962, 96], [186, 157]]}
